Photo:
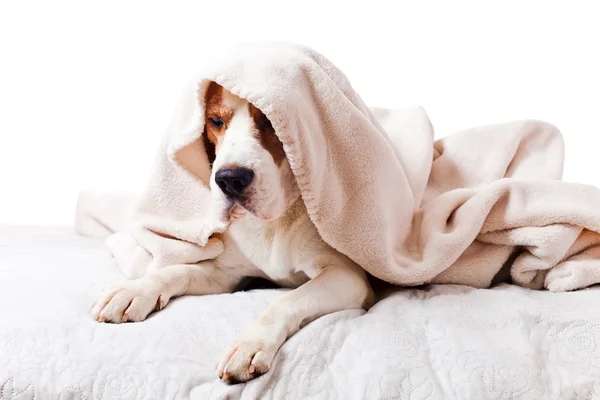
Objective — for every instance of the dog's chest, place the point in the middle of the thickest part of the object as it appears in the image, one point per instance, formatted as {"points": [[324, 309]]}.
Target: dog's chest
{"points": [[281, 251]]}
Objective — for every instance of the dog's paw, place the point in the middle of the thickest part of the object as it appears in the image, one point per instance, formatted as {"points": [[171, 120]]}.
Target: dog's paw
{"points": [[244, 360], [129, 301]]}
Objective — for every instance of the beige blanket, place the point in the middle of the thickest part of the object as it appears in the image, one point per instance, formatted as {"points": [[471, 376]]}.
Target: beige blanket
{"points": [[378, 188]]}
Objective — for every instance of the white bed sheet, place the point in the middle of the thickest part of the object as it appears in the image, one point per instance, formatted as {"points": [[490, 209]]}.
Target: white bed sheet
{"points": [[442, 342]]}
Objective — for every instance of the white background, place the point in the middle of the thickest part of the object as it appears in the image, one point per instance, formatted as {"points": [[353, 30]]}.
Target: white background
{"points": [[86, 88]]}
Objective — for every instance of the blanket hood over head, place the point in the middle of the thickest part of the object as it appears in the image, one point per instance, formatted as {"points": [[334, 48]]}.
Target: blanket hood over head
{"points": [[377, 187]]}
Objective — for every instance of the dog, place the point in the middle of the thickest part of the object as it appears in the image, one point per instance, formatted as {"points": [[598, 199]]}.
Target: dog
{"points": [[270, 235]]}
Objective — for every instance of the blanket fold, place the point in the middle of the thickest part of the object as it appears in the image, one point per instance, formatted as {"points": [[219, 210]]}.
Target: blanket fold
{"points": [[408, 209]]}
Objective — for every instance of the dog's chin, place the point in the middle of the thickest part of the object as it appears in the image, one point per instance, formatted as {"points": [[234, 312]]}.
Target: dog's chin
{"points": [[233, 210], [240, 208], [268, 212]]}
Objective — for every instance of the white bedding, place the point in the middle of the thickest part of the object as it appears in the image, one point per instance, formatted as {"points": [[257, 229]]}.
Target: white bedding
{"points": [[442, 342]]}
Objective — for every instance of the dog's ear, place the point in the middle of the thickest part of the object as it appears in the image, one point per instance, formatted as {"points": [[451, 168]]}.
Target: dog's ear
{"points": [[212, 91], [209, 148]]}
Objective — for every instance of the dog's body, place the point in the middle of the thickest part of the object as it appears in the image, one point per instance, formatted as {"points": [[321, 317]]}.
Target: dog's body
{"points": [[270, 235]]}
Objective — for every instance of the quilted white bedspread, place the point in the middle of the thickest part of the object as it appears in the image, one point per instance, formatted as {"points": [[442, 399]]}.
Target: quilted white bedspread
{"points": [[441, 342]]}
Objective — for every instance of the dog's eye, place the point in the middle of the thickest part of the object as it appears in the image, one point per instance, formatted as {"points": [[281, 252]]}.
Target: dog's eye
{"points": [[216, 122]]}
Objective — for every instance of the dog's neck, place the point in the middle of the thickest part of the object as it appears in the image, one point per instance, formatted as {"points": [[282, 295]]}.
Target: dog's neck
{"points": [[296, 211]]}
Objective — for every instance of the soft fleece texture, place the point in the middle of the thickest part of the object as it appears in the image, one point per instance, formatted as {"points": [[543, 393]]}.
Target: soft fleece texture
{"points": [[378, 188], [437, 342]]}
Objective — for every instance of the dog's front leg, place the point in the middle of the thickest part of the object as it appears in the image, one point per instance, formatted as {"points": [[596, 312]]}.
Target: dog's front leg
{"points": [[335, 288], [133, 300]]}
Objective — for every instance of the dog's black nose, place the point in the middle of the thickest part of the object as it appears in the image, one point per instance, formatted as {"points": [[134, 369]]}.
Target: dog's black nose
{"points": [[233, 181]]}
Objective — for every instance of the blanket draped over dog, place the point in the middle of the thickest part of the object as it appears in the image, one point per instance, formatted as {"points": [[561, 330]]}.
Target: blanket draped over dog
{"points": [[408, 209]]}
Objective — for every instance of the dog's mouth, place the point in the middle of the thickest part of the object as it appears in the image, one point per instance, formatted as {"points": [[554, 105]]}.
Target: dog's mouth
{"points": [[236, 209], [239, 208]]}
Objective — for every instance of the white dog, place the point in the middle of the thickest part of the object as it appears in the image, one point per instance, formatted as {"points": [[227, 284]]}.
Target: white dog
{"points": [[270, 236]]}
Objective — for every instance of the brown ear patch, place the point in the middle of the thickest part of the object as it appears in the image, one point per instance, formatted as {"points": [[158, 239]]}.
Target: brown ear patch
{"points": [[266, 135], [217, 115], [213, 95], [209, 146]]}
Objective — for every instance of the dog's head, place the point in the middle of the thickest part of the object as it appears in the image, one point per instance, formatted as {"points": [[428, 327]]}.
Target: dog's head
{"points": [[250, 172]]}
